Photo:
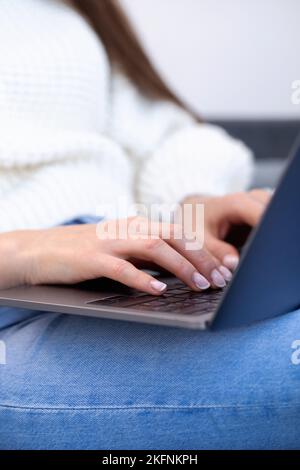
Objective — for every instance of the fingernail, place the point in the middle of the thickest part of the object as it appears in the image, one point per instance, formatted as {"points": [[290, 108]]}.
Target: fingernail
{"points": [[226, 273], [231, 261], [158, 286], [200, 281], [218, 279]]}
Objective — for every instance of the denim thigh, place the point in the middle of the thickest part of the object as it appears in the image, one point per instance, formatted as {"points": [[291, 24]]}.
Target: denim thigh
{"points": [[73, 382]]}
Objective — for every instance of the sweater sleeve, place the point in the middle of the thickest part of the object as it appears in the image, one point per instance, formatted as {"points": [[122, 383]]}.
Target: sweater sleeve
{"points": [[174, 156], [52, 193]]}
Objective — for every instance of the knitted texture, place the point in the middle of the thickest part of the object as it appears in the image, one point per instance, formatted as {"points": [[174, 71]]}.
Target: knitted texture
{"points": [[75, 134]]}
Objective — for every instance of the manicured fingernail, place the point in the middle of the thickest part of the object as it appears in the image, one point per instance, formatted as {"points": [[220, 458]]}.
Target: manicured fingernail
{"points": [[200, 281], [231, 261], [158, 286], [218, 279], [226, 273]]}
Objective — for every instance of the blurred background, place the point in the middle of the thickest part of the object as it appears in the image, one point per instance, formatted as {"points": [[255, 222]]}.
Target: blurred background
{"points": [[235, 62]]}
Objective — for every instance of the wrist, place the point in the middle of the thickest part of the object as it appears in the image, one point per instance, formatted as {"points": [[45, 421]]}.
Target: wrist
{"points": [[16, 255]]}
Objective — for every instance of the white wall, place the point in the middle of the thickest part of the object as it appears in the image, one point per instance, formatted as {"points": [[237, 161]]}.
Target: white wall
{"points": [[229, 58]]}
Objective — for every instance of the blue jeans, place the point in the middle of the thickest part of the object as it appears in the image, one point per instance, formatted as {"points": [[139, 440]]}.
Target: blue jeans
{"points": [[82, 383]]}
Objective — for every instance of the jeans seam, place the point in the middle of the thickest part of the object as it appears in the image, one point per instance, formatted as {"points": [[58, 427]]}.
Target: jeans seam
{"points": [[150, 407]]}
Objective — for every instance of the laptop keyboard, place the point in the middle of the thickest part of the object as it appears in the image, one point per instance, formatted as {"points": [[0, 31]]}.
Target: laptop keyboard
{"points": [[177, 299]]}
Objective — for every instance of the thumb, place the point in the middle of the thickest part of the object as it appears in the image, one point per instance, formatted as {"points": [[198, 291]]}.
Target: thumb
{"points": [[224, 252]]}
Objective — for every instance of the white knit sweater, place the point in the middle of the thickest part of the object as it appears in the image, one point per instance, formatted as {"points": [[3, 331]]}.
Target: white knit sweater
{"points": [[75, 135]]}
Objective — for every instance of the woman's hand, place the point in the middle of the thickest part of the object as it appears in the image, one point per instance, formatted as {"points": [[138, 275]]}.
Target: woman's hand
{"points": [[77, 253], [73, 254], [223, 213]]}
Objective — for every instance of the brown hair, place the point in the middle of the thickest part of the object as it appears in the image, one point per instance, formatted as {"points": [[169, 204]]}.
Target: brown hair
{"points": [[124, 48]]}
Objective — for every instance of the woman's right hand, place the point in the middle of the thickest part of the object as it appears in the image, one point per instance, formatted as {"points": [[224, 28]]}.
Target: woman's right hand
{"points": [[71, 254]]}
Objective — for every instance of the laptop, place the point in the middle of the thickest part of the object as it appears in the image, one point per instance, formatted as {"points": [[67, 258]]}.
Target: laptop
{"points": [[265, 285]]}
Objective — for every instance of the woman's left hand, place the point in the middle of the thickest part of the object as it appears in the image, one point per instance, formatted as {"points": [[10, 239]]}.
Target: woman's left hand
{"points": [[221, 214]]}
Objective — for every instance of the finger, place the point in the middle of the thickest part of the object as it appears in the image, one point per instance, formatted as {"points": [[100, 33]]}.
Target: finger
{"points": [[153, 233], [203, 261], [122, 271], [243, 209], [163, 255], [261, 195], [200, 258], [226, 253]]}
